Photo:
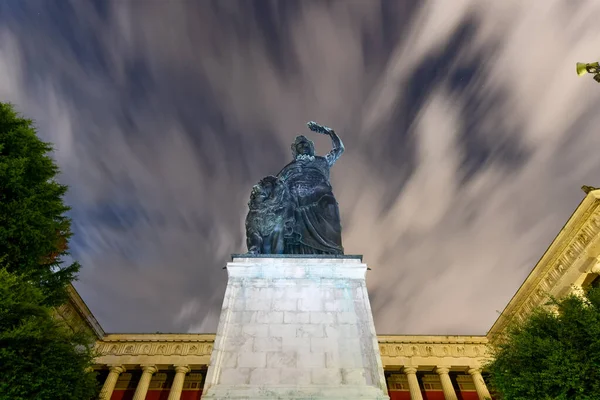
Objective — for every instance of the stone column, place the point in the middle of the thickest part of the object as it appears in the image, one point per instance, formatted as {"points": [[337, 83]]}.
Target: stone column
{"points": [[413, 383], [142, 387], [111, 381], [177, 387], [480, 386], [447, 388]]}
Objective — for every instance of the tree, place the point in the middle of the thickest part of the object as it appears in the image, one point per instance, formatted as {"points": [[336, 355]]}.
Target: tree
{"points": [[551, 355], [41, 357], [34, 229]]}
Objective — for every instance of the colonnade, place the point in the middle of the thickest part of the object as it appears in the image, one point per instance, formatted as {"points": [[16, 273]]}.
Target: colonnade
{"points": [[447, 387], [149, 370], [144, 383]]}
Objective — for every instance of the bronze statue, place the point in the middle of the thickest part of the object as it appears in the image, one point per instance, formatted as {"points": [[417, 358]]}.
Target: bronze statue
{"points": [[296, 211]]}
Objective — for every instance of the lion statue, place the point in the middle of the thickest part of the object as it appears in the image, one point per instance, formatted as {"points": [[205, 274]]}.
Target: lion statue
{"points": [[269, 217]]}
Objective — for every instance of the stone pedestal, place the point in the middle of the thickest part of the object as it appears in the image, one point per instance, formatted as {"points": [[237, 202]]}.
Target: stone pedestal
{"points": [[296, 327]]}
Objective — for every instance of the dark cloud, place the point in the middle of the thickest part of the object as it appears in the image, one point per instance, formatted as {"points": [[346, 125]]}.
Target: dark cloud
{"points": [[464, 128]]}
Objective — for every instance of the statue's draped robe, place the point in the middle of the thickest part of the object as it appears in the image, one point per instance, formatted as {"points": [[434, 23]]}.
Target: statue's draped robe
{"points": [[316, 228]]}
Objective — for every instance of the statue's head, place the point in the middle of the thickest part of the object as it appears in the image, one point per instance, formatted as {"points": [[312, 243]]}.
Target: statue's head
{"points": [[268, 184], [263, 190], [303, 146]]}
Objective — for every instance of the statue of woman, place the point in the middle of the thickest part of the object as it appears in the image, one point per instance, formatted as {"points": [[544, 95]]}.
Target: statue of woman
{"points": [[316, 227]]}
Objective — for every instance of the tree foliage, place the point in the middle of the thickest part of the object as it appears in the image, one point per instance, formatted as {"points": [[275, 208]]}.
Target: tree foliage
{"points": [[551, 355], [41, 356], [34, 229]]}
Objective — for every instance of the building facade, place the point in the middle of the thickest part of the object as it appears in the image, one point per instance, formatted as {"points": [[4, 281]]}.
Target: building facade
{"points": [[173, 366]]}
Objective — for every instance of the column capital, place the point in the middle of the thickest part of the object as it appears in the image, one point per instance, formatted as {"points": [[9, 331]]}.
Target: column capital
{"points": [[442, 370], [117, 368], [182, 368], [144, 383], [151, 368], [109, 384], [413, 382], [410, 370], [474, 371]]}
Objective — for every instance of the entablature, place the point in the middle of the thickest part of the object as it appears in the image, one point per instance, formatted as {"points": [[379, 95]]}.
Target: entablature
{"points": [[427, 352], [456, 352], [163, 349]]}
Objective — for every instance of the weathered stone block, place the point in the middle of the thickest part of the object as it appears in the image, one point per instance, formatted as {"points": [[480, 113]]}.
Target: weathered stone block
{"points": [[235, 376], [338, 305], [234, 329], [283, 330], [332, 359], [352, 345], [348, 330], [353, 376], [294, 377], [282, 359], [300, 317], [285, 305], [267, 344], [230, 359], [350, 359], [300, 344], [307, 360], [332, 331], [252, 360], [310, 331], [238, 344], [256, 330], [317, 317], [269, 317], [313, 303], [347, 317], [321, 345], [265, 376], [253, 304], [326, 376], [239, 304]]}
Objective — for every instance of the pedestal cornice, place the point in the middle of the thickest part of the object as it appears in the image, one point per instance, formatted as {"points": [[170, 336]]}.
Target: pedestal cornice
{"points": [[296, 256]]}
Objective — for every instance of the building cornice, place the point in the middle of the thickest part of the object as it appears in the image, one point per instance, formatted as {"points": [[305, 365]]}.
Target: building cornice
{"points": [[84, 312], [568, 254]]}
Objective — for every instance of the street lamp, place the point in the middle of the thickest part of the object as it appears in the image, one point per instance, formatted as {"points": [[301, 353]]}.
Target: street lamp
{"points": [[591, 68]]}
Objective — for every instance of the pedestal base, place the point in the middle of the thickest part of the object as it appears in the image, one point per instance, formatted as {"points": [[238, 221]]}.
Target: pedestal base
{"points": [[295, 393], [296, 328]]}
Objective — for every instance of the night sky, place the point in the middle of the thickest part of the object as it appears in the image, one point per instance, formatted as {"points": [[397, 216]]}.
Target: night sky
{"points": [[468, 136]]}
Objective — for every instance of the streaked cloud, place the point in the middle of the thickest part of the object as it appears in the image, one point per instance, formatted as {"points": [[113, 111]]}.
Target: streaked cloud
{"points": [[468, 135]]}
